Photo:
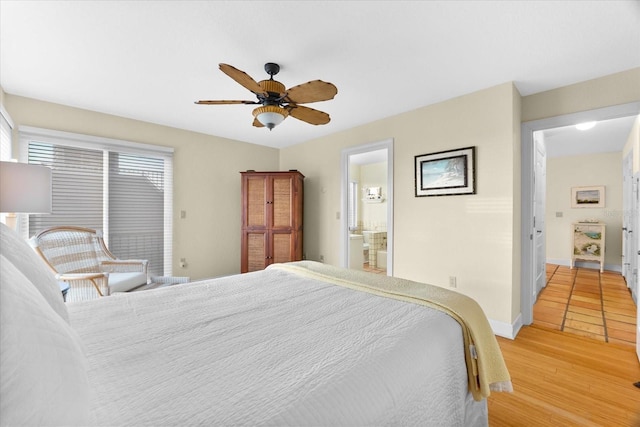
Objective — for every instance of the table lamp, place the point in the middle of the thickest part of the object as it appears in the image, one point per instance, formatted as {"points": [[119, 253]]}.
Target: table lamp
{"points": [[24, 188]]}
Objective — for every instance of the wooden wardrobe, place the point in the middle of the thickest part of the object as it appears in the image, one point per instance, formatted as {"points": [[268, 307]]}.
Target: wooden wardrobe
{"points": [[271, 218]]}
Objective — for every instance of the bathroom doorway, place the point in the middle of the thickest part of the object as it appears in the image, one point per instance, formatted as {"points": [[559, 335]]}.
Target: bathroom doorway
{"points": [[367, 207]]}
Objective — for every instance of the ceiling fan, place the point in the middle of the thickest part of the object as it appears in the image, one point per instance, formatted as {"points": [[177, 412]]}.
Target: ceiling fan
{"points": [[277, 103]]}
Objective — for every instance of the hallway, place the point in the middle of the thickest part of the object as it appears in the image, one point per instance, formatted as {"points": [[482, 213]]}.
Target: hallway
{"points": [[586, 302]]}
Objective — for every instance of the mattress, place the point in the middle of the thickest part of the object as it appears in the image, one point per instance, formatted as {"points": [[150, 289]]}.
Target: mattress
{"points": [[272, 348]]}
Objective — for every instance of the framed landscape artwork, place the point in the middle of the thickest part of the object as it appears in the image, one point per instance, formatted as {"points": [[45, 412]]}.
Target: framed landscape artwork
{"points": [[588, 197], [446, 173]]}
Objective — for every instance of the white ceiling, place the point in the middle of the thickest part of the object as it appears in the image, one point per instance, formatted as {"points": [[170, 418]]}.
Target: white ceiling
{"points": [[150, 60], [606, 136]]}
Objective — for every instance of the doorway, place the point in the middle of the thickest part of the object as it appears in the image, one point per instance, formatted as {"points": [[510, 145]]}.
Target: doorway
{"points": [[529, 268], [367, 206]]}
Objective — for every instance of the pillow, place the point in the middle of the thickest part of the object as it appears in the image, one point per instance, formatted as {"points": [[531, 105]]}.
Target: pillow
{"points": [[18, 251], [42, 364]]}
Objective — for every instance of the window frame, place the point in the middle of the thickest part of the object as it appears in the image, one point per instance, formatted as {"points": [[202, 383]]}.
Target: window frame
{"points": [[28, 134]]}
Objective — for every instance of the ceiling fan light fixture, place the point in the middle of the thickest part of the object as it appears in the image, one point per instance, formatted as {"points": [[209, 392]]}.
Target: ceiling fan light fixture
{"points": [[270, 115], [277, 102]]}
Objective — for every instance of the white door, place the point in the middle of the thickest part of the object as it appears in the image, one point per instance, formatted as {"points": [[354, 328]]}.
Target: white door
{"points": [[627, 221], [635, 239], [635, 263], [539, 196]]}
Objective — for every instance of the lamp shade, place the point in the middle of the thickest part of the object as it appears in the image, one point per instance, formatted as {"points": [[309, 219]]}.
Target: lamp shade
{"points": [[24, 188], [270, 115]]}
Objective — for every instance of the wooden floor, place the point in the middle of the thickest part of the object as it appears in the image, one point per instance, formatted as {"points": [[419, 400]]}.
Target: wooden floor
{"points": [[577, 364], [563, 379], [589, 303]]}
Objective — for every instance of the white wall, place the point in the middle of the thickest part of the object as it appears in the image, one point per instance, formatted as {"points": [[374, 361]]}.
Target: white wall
{"points": [[563, 173]]}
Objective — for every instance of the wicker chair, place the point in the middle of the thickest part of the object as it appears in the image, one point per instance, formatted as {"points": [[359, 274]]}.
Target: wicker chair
{"points": [[80, 257]]}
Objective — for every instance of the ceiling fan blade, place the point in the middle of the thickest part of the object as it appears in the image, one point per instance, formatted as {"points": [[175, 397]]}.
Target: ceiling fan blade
{"points": [[257, 124], [225, 102], [313, 91], [309, 115], [242, 78]]}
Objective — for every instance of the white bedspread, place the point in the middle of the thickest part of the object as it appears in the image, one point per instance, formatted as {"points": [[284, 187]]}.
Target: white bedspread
{"points": [[272, 348]]}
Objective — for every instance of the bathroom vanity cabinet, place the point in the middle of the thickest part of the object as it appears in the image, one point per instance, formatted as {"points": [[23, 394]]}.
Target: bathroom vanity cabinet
{"points": [[588, 242], [271, 218]]}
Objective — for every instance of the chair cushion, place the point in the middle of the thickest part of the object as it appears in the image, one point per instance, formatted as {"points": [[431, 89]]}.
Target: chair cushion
{"points": [[123, 282], [20, 254], [42, 363]]}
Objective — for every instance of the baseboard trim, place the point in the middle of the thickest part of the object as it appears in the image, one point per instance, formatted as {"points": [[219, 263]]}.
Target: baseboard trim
{"points": [[507, 330], [585, 264]]}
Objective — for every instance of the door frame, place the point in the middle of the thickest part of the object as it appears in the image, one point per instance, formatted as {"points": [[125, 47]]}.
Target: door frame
{"points": [[386, 144], [527, 270]]}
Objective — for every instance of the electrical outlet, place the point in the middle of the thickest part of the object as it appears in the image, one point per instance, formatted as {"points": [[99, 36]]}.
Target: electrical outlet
{"points": [[321, 258], [453, 282], [183, 262]]}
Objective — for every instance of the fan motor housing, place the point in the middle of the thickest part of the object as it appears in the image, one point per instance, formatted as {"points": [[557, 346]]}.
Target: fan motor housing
{"points": [[272, 87]]}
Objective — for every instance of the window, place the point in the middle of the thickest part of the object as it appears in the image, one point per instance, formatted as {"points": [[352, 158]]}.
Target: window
{"points": [[119, 187]]}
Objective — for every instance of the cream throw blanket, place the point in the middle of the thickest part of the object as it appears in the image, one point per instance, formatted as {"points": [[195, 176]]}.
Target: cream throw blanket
{"points": [[485, 365]]}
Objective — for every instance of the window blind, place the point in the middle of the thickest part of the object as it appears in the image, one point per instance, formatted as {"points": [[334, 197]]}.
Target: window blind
{"points": [[77, 186], [125, 191], [136, 208]]}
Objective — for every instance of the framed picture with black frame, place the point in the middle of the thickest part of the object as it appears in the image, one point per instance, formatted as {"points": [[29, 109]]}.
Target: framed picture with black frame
{"points": [[446, 173]]}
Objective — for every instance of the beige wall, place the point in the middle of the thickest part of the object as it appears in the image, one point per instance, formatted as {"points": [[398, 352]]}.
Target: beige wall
{"points": [[615, 89], [563, 173], [206, 178], [470, 237], [516, 176], [475, 238]]}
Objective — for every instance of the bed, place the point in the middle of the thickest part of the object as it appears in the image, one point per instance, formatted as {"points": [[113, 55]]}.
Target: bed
{"points": [[296, 344]]}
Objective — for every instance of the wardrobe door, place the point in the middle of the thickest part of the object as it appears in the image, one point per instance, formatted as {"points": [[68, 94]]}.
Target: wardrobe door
{"points": [[281, 188], [283, 244], [255, 201], [255, 250]]}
